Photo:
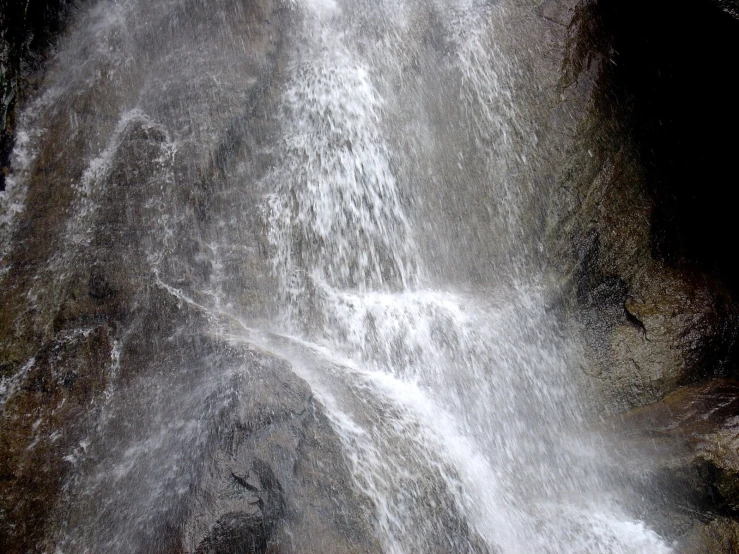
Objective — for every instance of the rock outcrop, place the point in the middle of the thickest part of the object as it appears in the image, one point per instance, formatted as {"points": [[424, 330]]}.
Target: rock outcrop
{"points": [[645, 181], [644, 191], [685, 448], [118, 387], [27, 31]]}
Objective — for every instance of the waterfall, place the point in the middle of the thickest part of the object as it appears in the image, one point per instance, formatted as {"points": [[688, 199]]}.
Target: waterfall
{"points": [[452, 407], [373, 190]]}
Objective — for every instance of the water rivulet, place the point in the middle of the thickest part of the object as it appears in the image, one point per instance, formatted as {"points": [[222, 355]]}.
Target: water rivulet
{"points": [[341, 186]]}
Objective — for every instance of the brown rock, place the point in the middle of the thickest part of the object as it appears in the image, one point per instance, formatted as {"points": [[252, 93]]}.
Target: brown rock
{"points": [[686, 448]]}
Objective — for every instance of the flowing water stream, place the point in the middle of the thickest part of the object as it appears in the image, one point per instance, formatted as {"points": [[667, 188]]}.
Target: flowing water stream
{"points": [[410, 293], [443, 400]]}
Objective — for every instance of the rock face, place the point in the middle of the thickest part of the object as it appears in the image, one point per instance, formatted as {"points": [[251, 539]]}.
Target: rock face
{"points": [[269, 480], [646, 212], [720, 535], [647, 218], [224, 446], [118, 387], [630, 135], [25, 37], [114, 377], [627, 212], [688, 443]]}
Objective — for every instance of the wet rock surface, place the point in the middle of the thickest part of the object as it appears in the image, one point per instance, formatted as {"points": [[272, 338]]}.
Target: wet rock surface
{"points": [[115, 393], [719, 535], [658, 303], [27, 32], [281, 474], [224, 446], [105, 345], [648, 227], [47, 410], [687, 446]]}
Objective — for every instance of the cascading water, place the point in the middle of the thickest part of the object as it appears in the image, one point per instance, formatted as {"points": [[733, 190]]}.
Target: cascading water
{"points": [[453, 409], [408, 290]]}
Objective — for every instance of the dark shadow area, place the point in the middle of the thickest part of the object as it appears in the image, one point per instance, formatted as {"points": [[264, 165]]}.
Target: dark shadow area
{"points": [[669, 74], [28, 28]]}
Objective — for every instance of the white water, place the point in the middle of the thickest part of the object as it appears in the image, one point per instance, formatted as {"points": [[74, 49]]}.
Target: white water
{"points": [[458, 412], [451, 407]]}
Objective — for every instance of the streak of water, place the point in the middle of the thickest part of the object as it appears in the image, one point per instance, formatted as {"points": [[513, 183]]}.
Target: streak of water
{"points": [[451, 408]]}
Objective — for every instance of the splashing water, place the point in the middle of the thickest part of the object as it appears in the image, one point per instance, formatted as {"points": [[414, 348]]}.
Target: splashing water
{"points": [[456, 411], [397, 180], [337, 212]]}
